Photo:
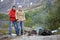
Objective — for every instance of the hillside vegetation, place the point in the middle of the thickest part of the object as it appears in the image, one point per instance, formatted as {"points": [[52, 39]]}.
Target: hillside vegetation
{"points": [[46, 15]]}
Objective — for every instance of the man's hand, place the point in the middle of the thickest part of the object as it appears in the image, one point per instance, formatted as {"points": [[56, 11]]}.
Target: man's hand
{"points": [[16, 19]]}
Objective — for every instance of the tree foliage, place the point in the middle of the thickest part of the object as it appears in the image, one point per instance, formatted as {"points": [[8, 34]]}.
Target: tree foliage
{"points": [[53, 16], [48, 16]]}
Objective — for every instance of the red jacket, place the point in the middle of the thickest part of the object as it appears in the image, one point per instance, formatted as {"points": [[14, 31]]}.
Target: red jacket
{"points": [[12, 15]]}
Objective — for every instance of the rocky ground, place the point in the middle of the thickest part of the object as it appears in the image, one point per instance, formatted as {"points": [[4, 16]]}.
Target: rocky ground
{"points": [[24, 37]]}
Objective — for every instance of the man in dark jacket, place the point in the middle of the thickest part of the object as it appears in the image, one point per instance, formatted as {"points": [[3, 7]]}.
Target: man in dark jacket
{"points": [[13, 21]]}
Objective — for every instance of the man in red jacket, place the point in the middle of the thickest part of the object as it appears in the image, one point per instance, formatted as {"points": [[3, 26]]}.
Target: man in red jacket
{"points": [[13, 20]]}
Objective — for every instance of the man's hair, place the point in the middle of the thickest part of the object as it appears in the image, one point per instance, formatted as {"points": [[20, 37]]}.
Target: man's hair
{"points": [[13, 6]]}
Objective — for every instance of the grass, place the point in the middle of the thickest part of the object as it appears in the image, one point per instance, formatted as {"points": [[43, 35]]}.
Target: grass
{"points": [[3, 32], [58, 31], [4, 16]]}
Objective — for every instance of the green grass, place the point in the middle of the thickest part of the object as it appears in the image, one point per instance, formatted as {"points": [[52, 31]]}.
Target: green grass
{"points": [[4, 16]]}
